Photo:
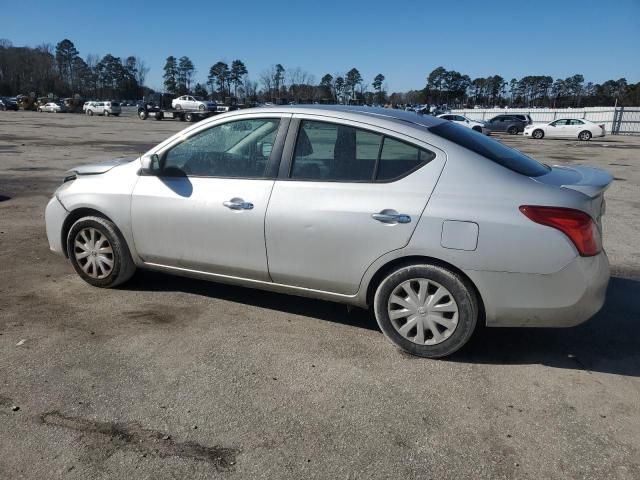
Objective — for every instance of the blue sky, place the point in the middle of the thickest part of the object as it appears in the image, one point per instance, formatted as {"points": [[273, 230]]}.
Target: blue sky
{"points": [[403, 40]]}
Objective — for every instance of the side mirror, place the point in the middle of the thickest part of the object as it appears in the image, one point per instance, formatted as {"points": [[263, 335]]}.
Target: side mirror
{"points": [[150, 164]]}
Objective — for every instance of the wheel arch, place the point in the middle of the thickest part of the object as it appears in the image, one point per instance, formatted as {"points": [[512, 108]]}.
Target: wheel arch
{"points": [[396, 263], [76, 215]]}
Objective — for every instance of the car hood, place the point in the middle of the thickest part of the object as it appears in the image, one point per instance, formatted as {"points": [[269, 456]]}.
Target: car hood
{"points": [[101, 167]]}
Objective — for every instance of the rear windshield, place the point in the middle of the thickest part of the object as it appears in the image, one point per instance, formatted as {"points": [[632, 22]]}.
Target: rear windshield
{"points": [[491, 149]]}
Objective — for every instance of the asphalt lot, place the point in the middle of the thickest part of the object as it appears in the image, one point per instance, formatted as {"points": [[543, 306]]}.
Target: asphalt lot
{"points": [[174, 378]]}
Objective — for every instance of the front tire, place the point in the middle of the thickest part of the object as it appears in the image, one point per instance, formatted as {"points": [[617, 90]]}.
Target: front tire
{"points": [[585, 135], [537, 134], [98, 252], [201, 107], [90, 113], [426, 310]]}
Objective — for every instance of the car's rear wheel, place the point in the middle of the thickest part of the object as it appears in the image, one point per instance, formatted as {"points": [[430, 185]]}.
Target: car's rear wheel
{"points": [[585, 135], [90, 113], [426, 310], [512, 130], [537, 134], [106, 113], [98, 252]]}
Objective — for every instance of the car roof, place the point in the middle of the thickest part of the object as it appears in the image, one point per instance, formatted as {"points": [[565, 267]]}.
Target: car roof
{"points": [[386, 115]]}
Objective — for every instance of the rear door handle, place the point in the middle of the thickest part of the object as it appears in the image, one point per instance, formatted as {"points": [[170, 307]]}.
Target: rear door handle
{"points": [[238, 204], [391, 217]]}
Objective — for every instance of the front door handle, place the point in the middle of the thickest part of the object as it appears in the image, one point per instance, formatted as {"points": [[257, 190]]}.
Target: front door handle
{"points": [[238, 204], [391, 217]]}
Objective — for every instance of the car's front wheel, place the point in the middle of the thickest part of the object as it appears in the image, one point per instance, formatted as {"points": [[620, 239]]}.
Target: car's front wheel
{"points": [[178, 107], [426, 310], [585, 135], [537, 134], [90, 113], [98, 252], [201, 107]]}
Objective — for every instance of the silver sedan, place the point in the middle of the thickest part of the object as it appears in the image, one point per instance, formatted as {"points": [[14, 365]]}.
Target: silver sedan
{"points": [[434, 227]]}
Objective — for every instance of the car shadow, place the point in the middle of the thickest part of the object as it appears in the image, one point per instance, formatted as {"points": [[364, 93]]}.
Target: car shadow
{"points": [[322, 310], [608, 343]]}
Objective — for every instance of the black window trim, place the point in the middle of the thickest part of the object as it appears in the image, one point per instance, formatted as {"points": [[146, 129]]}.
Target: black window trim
{"points": [[271, 170], [286, 165]]}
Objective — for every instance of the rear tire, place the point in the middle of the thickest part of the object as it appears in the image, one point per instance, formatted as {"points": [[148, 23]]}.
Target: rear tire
{"points": [[98, 252], [445, 305], [512, 130], [537, 134], [585, 135], [159, 115]]}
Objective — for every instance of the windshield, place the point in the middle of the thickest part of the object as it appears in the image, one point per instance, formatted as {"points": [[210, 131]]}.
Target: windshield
{"points": [[491, 149]]}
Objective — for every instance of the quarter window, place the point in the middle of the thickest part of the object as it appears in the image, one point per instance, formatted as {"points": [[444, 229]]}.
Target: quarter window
{"points": [[239, 149], [398, 158], [331, 152]]}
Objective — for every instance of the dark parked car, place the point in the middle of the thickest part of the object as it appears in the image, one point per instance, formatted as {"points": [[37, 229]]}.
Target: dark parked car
{"points": [[524, 117], [7, 103], [505, 123]]}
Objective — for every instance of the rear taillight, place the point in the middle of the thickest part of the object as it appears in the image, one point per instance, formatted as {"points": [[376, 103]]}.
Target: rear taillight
{"points": [[575, 224]]}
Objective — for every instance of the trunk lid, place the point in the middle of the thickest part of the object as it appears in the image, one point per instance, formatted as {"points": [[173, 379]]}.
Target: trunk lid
{"points": [[591, 182]]}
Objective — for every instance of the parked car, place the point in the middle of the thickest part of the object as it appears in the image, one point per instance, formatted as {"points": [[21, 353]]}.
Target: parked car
{"points": [[102, 108], [465, 122], [188, 102], [7, 103], [566, 128], [52, 107], [505, 123], [343, 200], [526, 118]]}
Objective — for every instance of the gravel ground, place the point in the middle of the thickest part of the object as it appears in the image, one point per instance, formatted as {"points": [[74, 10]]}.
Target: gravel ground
{"points": [[175, 378]]}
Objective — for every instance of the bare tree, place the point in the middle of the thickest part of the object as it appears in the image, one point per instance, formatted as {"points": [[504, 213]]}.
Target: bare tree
{"points": [[141, 72]]}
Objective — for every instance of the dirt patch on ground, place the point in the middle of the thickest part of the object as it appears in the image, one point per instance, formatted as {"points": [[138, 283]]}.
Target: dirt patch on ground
{"points": [[143, 440]]}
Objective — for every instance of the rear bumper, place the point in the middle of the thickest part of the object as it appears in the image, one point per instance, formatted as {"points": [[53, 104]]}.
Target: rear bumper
{"points": [[54, 217], [562, 299]]}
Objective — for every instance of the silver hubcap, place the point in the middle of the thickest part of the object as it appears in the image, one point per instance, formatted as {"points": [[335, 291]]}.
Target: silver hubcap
{"points": [[423, 311], [93, 253]]}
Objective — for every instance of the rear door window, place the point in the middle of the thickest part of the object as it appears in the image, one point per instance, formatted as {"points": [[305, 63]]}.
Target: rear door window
{"points": [[341, 153]]}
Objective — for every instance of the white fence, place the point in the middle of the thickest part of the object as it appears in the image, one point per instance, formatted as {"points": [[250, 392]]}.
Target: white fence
{"points": [[620, 120]]}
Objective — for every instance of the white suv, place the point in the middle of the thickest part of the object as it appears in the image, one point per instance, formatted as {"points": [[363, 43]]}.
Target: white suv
{"points": [[188, 102], [102, 108]]}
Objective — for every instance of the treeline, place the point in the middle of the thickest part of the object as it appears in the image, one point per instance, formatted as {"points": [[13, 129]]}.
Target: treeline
{"points": [[455, 89], [62, 71], [276, 84]]}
